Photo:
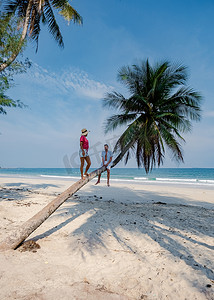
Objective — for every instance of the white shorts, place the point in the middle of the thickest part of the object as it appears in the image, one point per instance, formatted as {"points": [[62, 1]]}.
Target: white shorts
{"points": [[109, 166], [80, 153]]}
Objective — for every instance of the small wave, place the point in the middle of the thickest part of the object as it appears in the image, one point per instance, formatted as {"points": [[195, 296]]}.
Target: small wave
{"points": [[177, 179], [59, 176], [166, 179], [206, 181], [185, 181], [122, 180]]}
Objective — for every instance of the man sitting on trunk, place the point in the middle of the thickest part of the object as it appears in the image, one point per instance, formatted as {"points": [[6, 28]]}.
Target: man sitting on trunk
{"points": [[106, 161]]}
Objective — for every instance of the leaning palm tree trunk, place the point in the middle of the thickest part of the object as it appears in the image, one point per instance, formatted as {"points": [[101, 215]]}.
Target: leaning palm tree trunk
{"points": [[122, 153], [23, 36], [13, 241]]}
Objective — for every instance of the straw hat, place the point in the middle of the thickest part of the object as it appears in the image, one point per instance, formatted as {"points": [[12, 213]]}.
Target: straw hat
{"points": [[84, 131]]}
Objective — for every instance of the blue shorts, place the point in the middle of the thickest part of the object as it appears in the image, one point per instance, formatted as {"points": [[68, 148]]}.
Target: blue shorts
{"points": [[81, 155]]}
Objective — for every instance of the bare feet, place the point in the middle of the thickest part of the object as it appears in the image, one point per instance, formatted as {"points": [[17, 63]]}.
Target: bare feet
{"points": [[97, 182], [86, 174], [82, 177], [108, 184]]}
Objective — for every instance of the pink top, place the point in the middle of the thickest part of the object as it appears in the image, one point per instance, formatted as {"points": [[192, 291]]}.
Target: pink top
{"points": [[85, 143]]}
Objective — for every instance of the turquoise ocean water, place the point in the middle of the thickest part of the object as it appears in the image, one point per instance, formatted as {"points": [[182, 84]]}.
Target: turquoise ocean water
{"points": [[196, 176]]}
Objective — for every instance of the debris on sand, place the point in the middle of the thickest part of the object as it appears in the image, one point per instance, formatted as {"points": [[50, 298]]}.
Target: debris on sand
{"points": [[29, 246]]}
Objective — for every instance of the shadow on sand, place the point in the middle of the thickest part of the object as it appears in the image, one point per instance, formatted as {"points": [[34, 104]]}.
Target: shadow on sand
{"points": [[21, 191], [162, 222], [27, 186]]}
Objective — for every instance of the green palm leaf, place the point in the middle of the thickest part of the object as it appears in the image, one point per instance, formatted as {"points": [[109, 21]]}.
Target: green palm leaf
{"points": [[70, 14], [42, 10], [52, 24], [160, 108]]}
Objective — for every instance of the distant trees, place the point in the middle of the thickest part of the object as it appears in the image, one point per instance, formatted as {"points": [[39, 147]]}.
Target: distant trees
{"points": [[29, 15], [17, 19], [9, 42]]}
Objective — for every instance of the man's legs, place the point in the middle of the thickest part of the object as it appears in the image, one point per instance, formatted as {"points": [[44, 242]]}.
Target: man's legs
{"points": [[98, 180], [108, 177]]}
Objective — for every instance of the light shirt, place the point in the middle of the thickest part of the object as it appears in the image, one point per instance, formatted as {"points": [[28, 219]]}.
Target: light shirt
{"points": [[109, 155]]}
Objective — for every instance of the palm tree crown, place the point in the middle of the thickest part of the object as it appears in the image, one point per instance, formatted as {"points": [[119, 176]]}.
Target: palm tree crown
{"points": [[159, 109], [34, 12], [42, 11]]}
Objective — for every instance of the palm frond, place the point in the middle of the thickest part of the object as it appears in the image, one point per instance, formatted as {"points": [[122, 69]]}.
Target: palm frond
{"points": [[137, 103], [172, 143], [6, 101], [53, 27], [127, 157], [42, 11], [70, 14], [160, 107], [34, 28], [67, 11], [130, 134], [10, 6], [114, 100], [175, 122], [187, 102], [118, 120]]}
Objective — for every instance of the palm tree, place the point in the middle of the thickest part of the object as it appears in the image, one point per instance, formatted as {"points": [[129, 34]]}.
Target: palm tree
{"points": [[158, 110], [32, 13]]}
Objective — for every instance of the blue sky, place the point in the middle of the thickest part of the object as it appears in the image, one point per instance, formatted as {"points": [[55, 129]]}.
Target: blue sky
{"points": [[64, 88]]}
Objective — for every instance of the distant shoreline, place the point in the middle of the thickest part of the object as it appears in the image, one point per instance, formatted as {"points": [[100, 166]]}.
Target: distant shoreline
{"points": [[122, 181], [178, 176]]}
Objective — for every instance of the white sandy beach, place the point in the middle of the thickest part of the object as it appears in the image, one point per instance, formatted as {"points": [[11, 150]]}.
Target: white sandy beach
{"points": [[129, 241]]}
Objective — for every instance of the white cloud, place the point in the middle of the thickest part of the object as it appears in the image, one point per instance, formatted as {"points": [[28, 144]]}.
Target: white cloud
{"points": [[70, 81], [209, 113]]}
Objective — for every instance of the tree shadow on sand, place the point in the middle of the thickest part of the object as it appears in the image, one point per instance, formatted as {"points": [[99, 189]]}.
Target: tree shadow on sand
{"points": [[163, 222], [22, 191], [26, 186]]}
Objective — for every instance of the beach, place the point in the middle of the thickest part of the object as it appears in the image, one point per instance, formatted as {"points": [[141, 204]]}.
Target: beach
{"points": [[127, 241]]}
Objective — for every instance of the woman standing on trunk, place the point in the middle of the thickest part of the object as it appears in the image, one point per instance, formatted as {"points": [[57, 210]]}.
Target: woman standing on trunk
{"points": [[83, 153]]}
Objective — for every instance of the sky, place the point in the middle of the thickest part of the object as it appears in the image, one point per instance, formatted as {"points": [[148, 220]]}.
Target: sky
{"points": [[64, 87]]}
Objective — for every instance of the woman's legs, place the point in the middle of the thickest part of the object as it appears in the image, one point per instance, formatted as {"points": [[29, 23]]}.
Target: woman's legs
{"points": [[82, 160], [87, 158]]}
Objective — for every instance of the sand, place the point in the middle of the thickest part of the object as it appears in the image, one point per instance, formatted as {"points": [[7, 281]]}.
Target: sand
{"points": [[128, 241]]}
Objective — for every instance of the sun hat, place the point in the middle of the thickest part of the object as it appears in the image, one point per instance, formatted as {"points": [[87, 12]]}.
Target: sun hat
{"points": [[84, 131]]}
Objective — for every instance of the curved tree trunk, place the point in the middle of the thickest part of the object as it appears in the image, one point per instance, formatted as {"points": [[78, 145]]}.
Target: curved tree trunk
{"points": [[23, 36], [120, 156], [13, 241]]}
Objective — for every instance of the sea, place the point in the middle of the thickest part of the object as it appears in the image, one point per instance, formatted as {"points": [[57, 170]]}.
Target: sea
{"points": [[193, 176]]}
